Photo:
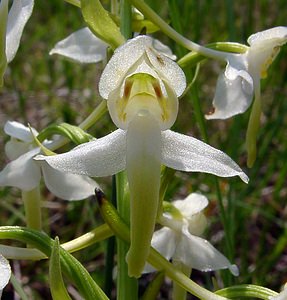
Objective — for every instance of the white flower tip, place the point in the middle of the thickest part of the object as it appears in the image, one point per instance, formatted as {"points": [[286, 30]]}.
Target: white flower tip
{"points": [[52, 51], [277, 33], [244, 177], [234, 270], [5, 271]]}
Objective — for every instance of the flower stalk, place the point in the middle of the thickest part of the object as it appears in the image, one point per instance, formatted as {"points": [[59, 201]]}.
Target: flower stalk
{"points": [[32, 205], [173, 34]]}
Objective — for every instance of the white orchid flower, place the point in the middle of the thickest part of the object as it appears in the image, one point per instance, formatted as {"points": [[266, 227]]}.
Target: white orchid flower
{"points": [[241, 78], [142, 87], [5, 273], [25, 173], [179, 239]]}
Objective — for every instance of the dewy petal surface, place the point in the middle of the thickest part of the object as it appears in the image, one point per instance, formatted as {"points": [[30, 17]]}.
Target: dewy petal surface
{"points": [[67, 186], [82, 46], [19, 14], [199, 254], [22, 173], [103, 157], [185, 153], [128, 54], [276, 35], [5, 273]]}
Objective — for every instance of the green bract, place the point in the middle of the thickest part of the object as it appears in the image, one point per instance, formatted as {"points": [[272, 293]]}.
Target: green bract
{"points": [[100, 23]]}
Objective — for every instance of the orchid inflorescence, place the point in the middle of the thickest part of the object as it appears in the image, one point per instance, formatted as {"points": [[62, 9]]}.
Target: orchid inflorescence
{"points": [[141, 85]]}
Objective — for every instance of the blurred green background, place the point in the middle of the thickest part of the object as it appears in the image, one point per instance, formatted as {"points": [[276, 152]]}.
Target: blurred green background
{"points": [[41, 89]]}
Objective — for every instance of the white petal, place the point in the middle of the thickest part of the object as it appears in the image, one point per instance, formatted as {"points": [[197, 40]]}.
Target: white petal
{"points": [[168, 69], [103, 157], [185, 153], [19, 131], [199, 254], [277, 35], [15, 148], [5, 273], [82, 46], [264, 47], [191, 205], [126, 56], [67, 186], [234, 89], [163, 49], [22, 173], [164, 241], [123, 59], [19, 14]]}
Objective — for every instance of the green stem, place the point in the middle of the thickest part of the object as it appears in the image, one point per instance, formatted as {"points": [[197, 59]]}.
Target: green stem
{"points": [[154, 286], [32, 205], [18, 287], [127, 287], [96, 235], [192, 58], [179, 293], [70, 265], [252, 129], [178, 38], [126, 19]]}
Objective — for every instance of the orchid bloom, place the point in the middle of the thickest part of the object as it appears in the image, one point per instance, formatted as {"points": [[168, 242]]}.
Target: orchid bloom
{"points": [[241, 78], [179, 239], [25, 173], [5, 273], [11, 29], [142, 87]]}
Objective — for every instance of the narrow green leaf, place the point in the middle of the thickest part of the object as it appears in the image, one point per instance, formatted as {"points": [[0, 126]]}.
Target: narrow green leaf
{"points": [[100, 23], [3, 24], [57, 286], [153, 289], [247, 290]]}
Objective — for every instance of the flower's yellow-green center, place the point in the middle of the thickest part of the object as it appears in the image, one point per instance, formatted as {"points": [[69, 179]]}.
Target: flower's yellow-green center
{"points": [[142, 92], [170, 209], [268, 62]]}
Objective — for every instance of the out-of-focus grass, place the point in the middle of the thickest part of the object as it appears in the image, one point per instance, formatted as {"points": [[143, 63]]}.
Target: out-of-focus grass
{"points": [[41, 89]]}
